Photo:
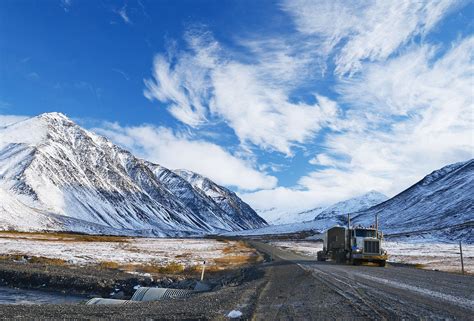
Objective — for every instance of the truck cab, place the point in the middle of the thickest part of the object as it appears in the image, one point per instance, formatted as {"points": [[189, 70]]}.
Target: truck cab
{"points": [[366, 245], [353, 244]]}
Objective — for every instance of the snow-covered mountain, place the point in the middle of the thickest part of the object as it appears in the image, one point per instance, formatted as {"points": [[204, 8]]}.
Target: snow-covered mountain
{"points": [[277, 216], [331, 215], [56, 175], [441, 203], [227, 200], [439, 207]]}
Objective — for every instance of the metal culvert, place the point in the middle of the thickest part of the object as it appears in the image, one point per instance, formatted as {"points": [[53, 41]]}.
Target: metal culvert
{"points": [[154, 294], [102, 301]]}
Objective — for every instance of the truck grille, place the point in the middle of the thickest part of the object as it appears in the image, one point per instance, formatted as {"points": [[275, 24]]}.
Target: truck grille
{"points": [[371, 247]]}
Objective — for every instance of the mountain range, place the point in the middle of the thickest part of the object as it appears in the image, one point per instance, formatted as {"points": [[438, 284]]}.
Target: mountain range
{"points": [[438, 207], [277, 216], [55, 175]]}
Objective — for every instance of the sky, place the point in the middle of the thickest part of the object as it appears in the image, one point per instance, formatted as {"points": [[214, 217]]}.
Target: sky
{"points": [[293, 104]]}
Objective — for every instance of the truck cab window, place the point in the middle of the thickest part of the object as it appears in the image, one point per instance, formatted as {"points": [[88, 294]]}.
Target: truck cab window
{"points": [[365, 233]]}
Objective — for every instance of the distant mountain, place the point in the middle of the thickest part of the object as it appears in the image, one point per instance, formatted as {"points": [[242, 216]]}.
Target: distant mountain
{"points": [[56, 175], [277, 217], [332, 215], [442, 203], [440, 207]]}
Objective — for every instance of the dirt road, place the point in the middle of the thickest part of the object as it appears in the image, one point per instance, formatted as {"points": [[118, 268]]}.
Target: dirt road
{"points": [[296, 287], [363, 292]]}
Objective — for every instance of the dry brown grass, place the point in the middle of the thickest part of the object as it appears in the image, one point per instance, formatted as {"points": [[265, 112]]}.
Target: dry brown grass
{"points": [[228, 250], [34, 259], [62, 237], [184, 255], [237, 254], [47, 261], [109, 265], [237, 259], [170, 268], [11, 257]]}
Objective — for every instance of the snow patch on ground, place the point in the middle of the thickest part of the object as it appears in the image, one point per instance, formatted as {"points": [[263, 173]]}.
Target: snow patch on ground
{"points": [[432, 256], [187, 252], [436, 256]]}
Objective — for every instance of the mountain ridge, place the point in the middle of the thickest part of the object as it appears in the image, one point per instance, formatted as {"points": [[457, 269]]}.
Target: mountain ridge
{"points": [[53, 165]]}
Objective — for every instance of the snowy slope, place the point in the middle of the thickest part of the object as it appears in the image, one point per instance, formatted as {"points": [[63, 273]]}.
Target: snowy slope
{"points": [[276, 216], [442, 199], [325, 217], [332, 215], [440, 207], [54, 167], [227, 200], [215, 210]]}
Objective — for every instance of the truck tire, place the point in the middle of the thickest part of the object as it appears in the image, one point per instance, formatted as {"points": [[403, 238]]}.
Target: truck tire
{"points": [[321, 257], [341, 257], [382, 263]]}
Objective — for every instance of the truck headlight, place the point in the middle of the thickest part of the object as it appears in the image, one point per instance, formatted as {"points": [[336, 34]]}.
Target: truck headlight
{"points": [[357, 250]]}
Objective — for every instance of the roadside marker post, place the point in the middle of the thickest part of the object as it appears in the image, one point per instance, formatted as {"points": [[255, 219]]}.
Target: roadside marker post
{"points": [[203, 269], [462, 260]]}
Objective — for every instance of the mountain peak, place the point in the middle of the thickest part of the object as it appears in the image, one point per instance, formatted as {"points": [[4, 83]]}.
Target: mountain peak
{"points": [[55, 117]]}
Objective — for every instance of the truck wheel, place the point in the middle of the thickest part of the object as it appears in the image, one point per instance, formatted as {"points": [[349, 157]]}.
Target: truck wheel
{"points": [[320, 256], [355, 262], [341, 257], [382, 263]]}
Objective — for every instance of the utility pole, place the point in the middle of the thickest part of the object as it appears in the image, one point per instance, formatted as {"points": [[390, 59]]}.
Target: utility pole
{"points": [[462, 260]]}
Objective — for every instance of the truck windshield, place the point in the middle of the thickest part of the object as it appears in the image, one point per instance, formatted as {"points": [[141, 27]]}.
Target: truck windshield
{"points": [[365, 233]]}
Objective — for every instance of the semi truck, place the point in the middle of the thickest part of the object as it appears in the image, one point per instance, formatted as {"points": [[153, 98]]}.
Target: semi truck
{"points": [[353, 245]]}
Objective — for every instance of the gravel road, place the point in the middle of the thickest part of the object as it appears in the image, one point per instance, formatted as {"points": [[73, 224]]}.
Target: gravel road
{"points": [[296, 287], [382, 293]]}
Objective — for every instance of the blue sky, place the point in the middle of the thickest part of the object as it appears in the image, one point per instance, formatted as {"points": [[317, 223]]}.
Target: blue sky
{"points": [[293, 104]]}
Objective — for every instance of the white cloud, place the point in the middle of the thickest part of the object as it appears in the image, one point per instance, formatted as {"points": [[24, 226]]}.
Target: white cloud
{"points": [[323, 160], [178, 151], [283, 198], [10, 119], [427, 104], [407, 105], [365, 30], [417, 115], [66, 5], [122, 12], [252, 98]]}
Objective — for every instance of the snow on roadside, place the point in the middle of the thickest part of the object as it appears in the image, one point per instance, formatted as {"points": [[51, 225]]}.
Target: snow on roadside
{"points": [[301, 247], [429, 255], [436, 256]]}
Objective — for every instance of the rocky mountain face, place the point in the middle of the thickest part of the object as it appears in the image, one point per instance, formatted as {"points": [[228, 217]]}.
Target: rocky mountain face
{"points": [[67, 178], [227, 200]]}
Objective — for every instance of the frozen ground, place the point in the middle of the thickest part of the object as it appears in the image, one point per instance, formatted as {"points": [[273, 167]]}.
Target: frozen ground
{"points": [[433, 256], [187, 252]]}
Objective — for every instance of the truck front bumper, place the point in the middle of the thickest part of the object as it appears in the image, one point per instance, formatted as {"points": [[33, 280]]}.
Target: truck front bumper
{"points": [[370, 257]]}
